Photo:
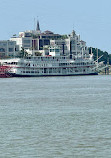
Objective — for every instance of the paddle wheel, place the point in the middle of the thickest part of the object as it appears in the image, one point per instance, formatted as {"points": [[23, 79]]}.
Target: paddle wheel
{"points": [[4, 72]]}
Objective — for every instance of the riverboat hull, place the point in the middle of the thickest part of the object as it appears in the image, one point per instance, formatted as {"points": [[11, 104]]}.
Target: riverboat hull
{"points": [[19, 75]]}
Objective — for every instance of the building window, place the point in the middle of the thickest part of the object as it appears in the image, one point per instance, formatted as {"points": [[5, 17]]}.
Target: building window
{"points": [[11, 43], [26, 46], [28, 34], [27, 41], [4, 44], [2, 50], [56, 50], [51, 50], [11, 49]]}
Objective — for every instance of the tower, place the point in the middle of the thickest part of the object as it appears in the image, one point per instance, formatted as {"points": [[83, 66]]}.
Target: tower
{"points": [[38, 28], [73, 33]]}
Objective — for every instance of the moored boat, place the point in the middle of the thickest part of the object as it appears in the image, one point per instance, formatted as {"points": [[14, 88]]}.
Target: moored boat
{"points": [[34, 66]]}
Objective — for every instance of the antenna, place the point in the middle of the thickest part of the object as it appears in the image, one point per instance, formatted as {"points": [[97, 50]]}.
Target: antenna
{"points": [[73, 26]]}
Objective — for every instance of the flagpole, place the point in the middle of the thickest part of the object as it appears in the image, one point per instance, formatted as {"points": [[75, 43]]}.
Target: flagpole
{"points": [[97, 57]]}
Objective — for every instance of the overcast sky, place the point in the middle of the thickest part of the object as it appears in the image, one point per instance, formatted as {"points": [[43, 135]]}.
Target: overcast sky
{"points": [[89, 18]]}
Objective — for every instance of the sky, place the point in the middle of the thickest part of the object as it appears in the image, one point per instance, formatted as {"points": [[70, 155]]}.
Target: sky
{"points": [[89, 18]]}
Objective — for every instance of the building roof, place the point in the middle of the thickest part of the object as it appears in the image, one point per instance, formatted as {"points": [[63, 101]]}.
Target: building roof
{"points": [[48, 32]]}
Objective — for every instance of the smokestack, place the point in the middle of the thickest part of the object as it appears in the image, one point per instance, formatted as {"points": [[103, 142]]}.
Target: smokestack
{"points": [[63, 48], [70, 50]]}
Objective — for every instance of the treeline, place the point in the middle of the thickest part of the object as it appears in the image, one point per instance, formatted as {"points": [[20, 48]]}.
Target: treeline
{"points": [[106, 58]]}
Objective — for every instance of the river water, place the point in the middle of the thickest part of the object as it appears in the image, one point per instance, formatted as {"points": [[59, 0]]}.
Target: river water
{"points": [[55, 117]]}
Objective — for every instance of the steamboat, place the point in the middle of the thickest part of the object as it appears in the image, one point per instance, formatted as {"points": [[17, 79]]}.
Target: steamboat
{"points": [[33, 66]]}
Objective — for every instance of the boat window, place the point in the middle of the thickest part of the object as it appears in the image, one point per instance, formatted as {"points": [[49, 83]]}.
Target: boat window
{"points": [[15, 63], [5, 63]]}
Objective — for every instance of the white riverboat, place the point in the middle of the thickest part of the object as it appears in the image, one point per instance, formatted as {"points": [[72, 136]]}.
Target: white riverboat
{"points": [[34, 66]]}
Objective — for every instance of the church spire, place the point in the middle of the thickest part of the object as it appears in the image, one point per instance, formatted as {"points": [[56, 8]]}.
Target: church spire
{"points": [[38, 27]]}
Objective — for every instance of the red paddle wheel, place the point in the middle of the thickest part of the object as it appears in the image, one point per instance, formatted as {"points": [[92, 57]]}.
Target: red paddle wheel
{"points": [[4, 71]]}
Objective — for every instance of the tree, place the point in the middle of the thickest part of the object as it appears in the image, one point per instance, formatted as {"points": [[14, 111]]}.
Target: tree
{"points": [[64, 36], [110, 59], [23, 53], [105, 54]]}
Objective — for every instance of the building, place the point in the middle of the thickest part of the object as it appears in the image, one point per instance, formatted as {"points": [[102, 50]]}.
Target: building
{"points": [[8, 48], [35, 41], [71, 44]]}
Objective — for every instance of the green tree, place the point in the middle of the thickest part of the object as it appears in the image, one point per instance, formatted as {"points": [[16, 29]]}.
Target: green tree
{"points": [[110, 59], [104, 54], [64, 36], [23, 53]]}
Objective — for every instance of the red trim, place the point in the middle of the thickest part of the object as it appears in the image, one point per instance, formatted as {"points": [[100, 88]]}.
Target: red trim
{"points": [[4, 71]]}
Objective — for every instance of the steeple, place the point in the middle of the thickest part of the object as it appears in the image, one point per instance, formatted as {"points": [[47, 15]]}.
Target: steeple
{"points": [[38, 27]]}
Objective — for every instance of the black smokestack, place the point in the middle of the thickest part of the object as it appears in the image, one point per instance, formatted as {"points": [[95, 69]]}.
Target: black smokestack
{"points": [[70, 50], [63, 48]]}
